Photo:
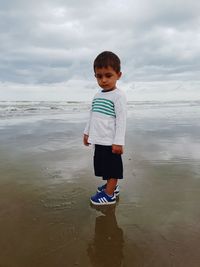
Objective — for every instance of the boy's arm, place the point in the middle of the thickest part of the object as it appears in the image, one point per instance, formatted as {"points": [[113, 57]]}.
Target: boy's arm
{"points": [[87, 127], [86, 130], [121, 113]]}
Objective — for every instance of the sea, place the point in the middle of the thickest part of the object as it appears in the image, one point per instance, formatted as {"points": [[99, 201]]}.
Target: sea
{"points": [[19, 109]]}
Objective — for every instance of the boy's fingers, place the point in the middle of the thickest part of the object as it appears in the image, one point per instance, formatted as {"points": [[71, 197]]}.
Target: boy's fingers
{"points": [[85, 140], [117, 151], [86, 143]]}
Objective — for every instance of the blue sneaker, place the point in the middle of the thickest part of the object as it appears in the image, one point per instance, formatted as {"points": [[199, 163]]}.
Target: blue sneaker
{"points": [[103, 187], [103, 199]]}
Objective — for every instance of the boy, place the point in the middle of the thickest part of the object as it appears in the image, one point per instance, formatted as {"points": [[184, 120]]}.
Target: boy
{"points": [[106, 127]]}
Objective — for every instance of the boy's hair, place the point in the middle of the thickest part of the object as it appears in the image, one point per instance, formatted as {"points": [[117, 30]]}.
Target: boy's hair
{"points": [[107, 59]]}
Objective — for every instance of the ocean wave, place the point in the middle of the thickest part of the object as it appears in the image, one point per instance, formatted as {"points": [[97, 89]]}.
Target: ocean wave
{"points": [[26, 108]]}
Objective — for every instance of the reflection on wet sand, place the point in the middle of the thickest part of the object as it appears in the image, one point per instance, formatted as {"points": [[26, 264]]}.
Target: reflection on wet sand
{"points": [[46, 181], [106, 249]]}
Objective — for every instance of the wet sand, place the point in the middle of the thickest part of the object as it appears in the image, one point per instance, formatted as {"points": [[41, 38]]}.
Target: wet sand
{"points": [[46, 181]]}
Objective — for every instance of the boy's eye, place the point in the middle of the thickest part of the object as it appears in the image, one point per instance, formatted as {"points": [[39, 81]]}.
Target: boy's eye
{"points": [[108, 75], [99, 76]]}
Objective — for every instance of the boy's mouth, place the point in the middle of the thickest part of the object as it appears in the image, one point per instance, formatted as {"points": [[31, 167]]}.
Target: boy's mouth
{"points": [[105, 85]]}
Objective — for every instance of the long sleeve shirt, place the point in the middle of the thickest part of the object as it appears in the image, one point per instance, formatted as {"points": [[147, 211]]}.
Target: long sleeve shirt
{"points": [[107, 121]]}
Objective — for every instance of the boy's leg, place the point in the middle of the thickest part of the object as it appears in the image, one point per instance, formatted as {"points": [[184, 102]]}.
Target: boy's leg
{"points": [[111, 185]]}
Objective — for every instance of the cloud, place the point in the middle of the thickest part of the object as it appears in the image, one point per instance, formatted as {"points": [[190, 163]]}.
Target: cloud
{"points": [[48, 42], [83, 90], [71, 90]]}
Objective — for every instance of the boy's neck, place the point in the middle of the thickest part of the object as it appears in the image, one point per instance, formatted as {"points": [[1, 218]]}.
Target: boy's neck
{"points": [[109, 90]]}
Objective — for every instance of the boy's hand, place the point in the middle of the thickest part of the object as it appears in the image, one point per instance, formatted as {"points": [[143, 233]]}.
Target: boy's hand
{"points": [[85, 140], [117, 149]]}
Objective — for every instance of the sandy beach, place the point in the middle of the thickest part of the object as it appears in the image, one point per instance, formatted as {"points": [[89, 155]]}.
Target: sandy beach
{"points": [[46, 181]]}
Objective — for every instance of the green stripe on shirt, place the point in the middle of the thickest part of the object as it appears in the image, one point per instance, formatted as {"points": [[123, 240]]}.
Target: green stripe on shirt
{"points": [[104, 99], [104, 106]]}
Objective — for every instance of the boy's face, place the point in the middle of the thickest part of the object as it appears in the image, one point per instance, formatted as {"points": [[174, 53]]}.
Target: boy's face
{"points": [[107, 77]]}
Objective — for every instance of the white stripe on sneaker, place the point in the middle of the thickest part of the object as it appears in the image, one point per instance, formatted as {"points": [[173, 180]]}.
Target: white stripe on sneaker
{"points": [[105, 199], [101, 200]]}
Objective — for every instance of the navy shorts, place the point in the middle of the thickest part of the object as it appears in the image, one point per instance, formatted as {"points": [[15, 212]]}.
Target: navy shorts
{"points": [[107, 164]]}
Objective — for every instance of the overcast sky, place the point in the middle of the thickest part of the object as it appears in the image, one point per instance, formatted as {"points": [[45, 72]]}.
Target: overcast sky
{"points": [[52, 43]]}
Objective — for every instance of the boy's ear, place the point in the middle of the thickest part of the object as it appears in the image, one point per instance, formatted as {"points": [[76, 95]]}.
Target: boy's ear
{"points": [[119, 75]]}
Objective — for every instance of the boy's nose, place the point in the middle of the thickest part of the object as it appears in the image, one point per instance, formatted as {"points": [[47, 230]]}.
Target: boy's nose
{"points": [[103, 79]]}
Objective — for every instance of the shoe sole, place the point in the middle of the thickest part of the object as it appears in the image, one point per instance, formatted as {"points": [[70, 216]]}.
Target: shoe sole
{"points": [[101, 204]]}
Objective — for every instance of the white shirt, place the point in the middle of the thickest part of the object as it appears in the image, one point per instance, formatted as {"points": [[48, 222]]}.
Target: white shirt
{"points": [[107, 121]]}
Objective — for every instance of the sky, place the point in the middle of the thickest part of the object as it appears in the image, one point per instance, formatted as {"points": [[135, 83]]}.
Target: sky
{"points": [[48, 47]]}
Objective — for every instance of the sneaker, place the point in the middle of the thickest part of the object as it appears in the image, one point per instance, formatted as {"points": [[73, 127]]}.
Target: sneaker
{"points": [[103, 187], [103, 199]]}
